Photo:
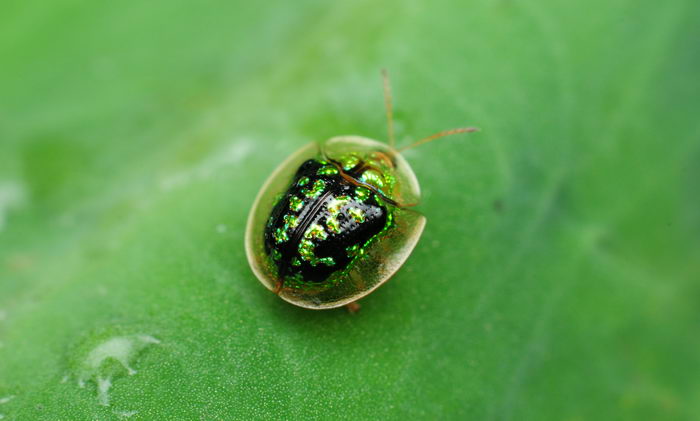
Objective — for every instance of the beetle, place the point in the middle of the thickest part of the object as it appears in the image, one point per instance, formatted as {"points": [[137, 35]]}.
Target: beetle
{"points": [[334, 221]]}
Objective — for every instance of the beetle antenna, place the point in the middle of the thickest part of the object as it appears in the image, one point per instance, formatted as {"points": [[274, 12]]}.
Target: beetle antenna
{"points": [[389, 108], [438, 135]]}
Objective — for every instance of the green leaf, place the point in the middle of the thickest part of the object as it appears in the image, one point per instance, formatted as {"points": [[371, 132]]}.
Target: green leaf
{"points": [[558, 276]]}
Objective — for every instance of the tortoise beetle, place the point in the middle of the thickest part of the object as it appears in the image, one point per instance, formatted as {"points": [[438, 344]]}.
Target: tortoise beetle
{"points": [[334, 221]]}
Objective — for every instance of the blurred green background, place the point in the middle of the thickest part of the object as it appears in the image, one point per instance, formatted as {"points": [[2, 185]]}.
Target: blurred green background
{"points": [[558, 277]]}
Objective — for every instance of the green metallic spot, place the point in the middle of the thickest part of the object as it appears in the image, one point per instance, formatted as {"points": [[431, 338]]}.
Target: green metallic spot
{"points": [[291, 221], [380, 200], [296, 262], [306, 246], [389, 221], [295, 204], [373, 178], [328, 261], [354, 250], [280, 235], [306, 250], [334, 207], [349, 161], [362, 194], [316, 231], [316, 189], [389, 181], [357, 214], [276, 255], [333, 224], [303, 181], [337, 203], [327, 170]]}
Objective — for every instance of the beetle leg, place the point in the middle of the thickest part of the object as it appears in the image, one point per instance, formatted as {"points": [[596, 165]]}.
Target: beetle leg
{"points": [[353, 307]]}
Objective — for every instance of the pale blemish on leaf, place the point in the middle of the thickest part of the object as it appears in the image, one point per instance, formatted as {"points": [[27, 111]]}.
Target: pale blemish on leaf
{"points": [[229, 155], [125, 414], [12, 195], [5, 400], [98, 366]]}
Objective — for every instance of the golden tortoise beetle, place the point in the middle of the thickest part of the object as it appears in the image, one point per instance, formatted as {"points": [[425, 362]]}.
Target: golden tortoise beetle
{"points": [[333, 222]]}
